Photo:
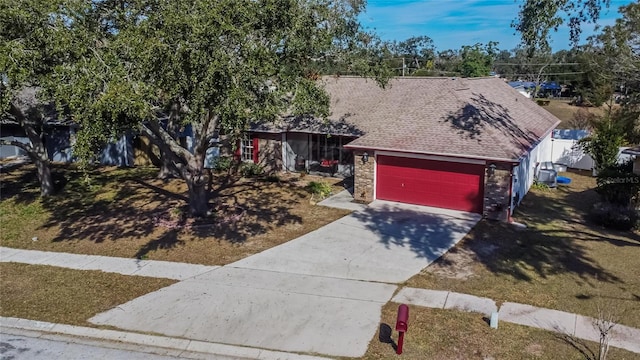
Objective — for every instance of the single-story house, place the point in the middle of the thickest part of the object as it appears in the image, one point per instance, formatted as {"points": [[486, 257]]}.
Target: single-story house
{"points": [[58, 133], [59, 138], [455, 143]]}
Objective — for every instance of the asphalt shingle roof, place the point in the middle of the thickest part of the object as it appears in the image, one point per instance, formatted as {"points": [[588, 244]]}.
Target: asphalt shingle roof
{"points": [[480, 118]]}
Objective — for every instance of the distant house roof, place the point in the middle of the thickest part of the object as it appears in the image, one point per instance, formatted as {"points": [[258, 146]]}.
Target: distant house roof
{"points": [[570, 134], [522, 84], [550, 86], [632, 151], [44, 112], [479, 118]]}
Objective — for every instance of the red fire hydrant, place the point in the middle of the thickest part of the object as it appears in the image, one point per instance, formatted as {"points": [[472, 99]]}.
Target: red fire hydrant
{"points": [[401, 325]]}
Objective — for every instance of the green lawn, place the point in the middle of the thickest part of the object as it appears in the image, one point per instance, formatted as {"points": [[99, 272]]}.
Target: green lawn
{"points": [[59, 295]]}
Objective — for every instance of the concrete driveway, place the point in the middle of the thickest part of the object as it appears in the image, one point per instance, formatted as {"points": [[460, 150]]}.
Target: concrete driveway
{"points": [[321, 293], [386, 242]]}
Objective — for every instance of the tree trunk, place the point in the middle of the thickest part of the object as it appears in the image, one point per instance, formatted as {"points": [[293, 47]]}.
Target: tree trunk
{"points": [[167, 169], [198, 195], [36, 150], [44, 176]]}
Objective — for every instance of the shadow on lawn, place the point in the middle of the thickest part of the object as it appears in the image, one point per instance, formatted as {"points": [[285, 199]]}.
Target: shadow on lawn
{"points": [[556, 241], [19, 181], [503, 249], [131, 204]]}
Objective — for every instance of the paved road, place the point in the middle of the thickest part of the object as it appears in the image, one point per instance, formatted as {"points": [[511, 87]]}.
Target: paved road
{"points": [[23, 345]]}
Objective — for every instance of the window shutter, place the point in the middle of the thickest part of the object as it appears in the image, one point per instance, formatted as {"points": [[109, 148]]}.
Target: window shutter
{"points": [[255, 150]]}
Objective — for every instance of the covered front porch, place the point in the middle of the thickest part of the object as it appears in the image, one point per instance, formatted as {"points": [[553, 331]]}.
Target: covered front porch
{"points": [[318, 154]]}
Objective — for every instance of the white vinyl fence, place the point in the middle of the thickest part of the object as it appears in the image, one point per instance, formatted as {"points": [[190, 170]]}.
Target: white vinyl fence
{"points": [[566, 152]]}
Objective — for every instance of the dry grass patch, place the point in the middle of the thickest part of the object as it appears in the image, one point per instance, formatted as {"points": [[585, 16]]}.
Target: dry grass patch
{"points": [[445, 334], [129, 213], [66, 296], [561, 261], [564, 111]]}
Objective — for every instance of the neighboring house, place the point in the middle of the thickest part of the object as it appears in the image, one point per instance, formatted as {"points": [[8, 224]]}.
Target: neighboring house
{"points": [[57, 133], [463, 144], [635, 152], [59, 138], [525, 88]]}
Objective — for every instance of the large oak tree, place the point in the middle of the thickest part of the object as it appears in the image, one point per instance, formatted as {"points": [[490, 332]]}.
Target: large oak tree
{"points": [[155, 66], [28, 55]]}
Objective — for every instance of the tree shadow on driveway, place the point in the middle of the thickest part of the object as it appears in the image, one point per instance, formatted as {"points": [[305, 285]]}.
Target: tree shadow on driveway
{"points": [[427, 234]]}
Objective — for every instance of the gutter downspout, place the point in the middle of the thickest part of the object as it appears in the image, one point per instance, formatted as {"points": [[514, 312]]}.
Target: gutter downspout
{"points": [[511, 207]]}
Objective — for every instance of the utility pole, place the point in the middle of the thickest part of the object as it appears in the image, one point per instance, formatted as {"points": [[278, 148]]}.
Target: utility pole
{"points": [[403, 66]]}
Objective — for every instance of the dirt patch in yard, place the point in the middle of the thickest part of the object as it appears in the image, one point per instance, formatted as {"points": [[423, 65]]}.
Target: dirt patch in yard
{"points": [[460, 262], [129, 213], [565, 111]]}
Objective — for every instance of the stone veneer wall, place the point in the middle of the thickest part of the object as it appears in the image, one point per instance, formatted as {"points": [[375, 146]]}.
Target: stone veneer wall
{"points": [[497, 193], [363, 176]]}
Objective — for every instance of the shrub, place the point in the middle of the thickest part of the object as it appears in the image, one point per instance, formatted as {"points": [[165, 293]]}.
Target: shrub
{"points": [[603, 145], [249, 169], [538, 185], [615, 216], [319, 188], [618, 185], [273, 178], [223, 164]]}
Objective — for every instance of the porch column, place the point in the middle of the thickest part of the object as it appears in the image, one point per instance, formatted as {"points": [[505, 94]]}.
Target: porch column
{"points": [[363, 182]]}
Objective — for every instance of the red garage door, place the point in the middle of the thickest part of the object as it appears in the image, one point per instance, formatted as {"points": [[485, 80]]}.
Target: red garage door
{"points": [[442, 184]]}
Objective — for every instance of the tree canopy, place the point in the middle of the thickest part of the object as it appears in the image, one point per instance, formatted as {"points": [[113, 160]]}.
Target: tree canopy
{"points": [[29, 51], [156, 66], [537, 19]]}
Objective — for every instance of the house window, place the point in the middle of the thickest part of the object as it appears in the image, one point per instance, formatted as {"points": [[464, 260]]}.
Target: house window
{"points": [[331, 148], [246, 150]]}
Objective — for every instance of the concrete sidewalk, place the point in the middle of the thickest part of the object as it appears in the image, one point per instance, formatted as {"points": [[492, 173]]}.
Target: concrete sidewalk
{"points": [[260, 299], [150, 268], [578, 326]]}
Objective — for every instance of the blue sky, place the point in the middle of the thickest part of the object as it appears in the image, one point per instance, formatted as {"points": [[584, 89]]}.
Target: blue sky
{"points": [[453, 23]]}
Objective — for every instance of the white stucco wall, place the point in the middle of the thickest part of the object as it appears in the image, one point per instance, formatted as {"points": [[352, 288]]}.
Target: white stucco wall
{"points": [[524, 174]]}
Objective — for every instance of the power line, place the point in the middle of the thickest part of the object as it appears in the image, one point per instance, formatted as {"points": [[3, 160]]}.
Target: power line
{"points": [[554, 64], [564, 73]]}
